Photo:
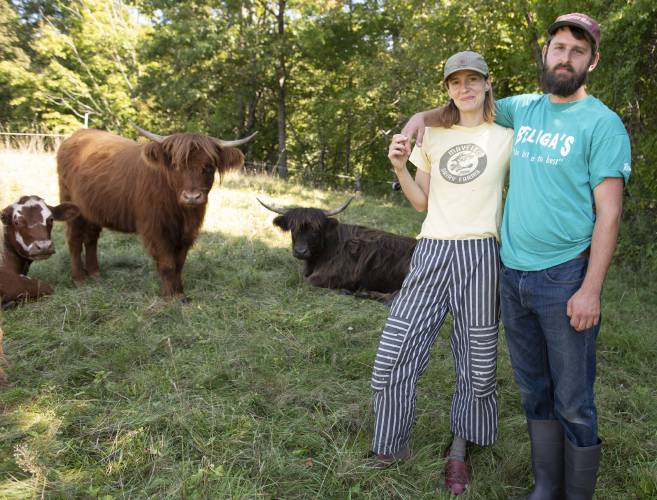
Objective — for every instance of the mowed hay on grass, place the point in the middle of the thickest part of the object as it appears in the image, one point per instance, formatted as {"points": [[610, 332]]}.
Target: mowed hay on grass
{"points": [[259, 387]]}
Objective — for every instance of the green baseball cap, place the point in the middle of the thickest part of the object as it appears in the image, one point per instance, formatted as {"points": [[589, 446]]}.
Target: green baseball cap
{"points": [[465, 60]]}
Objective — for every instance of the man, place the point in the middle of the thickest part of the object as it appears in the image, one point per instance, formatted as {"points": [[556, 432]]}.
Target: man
{"points": [[571, 158]]}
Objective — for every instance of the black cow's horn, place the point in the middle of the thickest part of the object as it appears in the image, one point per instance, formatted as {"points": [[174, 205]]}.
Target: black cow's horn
{"points": [[235, 143], [273, 209], [329, 213], [150, 135]]}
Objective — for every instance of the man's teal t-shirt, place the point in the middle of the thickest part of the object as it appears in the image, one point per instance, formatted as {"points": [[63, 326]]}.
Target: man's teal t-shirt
{"points": [[561, 152]]}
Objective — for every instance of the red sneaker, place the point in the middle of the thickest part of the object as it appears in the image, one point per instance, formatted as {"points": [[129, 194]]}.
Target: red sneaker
{"points": [[457, 476]]}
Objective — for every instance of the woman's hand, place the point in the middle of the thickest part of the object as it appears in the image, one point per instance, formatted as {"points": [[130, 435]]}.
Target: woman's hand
{"points": [[399, 151], [416, 190]]}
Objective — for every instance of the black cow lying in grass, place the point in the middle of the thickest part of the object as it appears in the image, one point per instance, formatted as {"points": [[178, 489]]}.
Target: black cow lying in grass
{"points": [[354, 259]]}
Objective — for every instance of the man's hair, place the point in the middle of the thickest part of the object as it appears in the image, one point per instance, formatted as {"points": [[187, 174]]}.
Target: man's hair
{"points": [[448, 115], [579, 34]]}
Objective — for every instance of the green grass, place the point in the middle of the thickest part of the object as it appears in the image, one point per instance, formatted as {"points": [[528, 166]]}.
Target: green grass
{"points": [[259, 388]]}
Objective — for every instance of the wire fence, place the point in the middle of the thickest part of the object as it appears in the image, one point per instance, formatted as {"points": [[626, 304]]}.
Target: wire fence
{"points": [[259, 167], [355, 182], [31, 141]]}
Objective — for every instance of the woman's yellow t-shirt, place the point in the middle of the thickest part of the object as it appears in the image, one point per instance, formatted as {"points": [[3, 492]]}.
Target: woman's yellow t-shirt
{"points": [[467, 166]]}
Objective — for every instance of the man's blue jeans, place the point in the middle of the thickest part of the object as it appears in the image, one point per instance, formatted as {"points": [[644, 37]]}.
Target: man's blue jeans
{"points": [[553, 364]]}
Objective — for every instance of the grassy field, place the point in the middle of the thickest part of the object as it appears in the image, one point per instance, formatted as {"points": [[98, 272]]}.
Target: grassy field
{"points": [[259, 388]]}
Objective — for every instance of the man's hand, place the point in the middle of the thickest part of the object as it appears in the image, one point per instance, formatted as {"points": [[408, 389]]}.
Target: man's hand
{"points": [[399, 151], [583, 309], [415, 127]]}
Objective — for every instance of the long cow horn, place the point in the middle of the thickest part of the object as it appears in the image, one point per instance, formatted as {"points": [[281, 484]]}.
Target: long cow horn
{"points": [[329, 213], [273, 209], [150, 135], [235, 143]]}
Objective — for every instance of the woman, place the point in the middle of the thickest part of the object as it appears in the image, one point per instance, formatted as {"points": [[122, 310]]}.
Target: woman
{"points": [[460, 174]]}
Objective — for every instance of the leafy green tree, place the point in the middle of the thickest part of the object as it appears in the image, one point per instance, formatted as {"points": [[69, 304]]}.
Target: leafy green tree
{"points": [[16, 86], [83, 62], [210, 66]]}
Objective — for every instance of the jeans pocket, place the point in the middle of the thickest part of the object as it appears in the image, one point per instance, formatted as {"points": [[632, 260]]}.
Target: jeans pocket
{"points": [[390, 345], [568, 273], [483, 359]]}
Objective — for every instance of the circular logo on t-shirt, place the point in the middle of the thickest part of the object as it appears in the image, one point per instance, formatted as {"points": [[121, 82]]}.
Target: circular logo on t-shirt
{"points": [[462, 163]]}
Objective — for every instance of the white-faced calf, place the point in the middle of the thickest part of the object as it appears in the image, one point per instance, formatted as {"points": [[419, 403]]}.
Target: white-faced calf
{"points": [[27, 226]]}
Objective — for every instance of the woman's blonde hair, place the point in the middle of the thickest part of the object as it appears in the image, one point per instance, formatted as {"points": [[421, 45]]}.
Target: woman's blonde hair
{"points": [[448, 115]]}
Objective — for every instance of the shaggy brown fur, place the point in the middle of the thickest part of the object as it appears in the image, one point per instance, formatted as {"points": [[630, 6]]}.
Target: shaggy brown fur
{"points": [[26, 239], [158, 190], [358, 259]]}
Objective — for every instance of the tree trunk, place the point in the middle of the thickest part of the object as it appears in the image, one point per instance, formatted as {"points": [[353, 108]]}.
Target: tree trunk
{"points": [[347, 143], [322, 157], [347, 135], [282, 76], [535, 45], [248, 97]]}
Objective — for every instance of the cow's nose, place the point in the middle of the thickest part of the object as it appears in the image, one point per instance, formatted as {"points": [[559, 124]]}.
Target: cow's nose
{"points": [[301, 253], [192, 197], [43, 246]]}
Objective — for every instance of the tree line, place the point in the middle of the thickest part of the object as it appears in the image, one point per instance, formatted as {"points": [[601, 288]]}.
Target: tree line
{"points": [[325, 83]]}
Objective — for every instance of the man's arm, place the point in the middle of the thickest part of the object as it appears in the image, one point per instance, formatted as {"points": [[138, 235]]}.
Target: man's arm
{"points": [[584, 306], [415, 126], [504, 111]]}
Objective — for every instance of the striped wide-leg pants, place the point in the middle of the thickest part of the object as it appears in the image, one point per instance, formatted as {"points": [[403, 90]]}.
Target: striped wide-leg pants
{"points": [[460, 276]]}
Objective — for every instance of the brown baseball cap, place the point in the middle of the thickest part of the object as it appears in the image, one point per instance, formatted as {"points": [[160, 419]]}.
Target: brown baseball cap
{"points": [[587, 23]]}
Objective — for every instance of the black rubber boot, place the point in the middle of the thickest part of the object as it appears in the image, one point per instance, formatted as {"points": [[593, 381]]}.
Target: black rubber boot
{"points": [[547, 440], [581, 470]]}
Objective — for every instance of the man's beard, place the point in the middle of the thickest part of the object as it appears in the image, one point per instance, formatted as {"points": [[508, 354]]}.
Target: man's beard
{"points": [[562, 85]]}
